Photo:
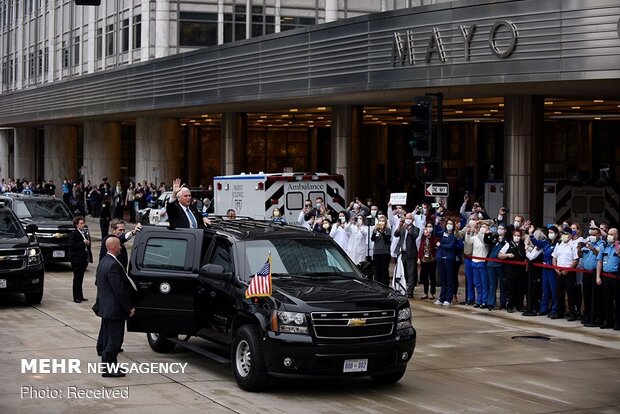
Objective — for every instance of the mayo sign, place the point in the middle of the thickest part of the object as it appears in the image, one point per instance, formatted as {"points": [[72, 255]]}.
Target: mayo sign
{"points": [[403, 43]]}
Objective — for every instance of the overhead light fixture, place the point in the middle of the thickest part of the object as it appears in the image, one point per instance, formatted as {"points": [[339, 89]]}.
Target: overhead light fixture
{"points": [[494, 110], [321, 108], [399, 117], [501, 105], [476, 120], [458, 111], [599, 101], [548, 102], [259, 120], [263, 116], [205, 116], [575, 107], [468, 99], [487, 114], [392, 110], [293, 110], [320, 117], [597, 118], [285, 116], [375, 119], [405, 123], [558, 112]]}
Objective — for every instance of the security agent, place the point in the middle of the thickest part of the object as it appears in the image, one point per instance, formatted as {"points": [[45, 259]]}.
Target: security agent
{"points": [[181, 212], [119, 230], [114, 305], [608, 260]]}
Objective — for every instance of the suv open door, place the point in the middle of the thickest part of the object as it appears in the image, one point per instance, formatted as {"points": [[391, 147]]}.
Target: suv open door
{"points": [[164, 267]]}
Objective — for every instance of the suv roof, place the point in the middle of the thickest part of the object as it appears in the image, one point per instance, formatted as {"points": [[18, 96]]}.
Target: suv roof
{"points": [[248, 228]]}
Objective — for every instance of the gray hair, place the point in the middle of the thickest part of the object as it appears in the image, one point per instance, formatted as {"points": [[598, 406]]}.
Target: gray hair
{"points": [[539, 235]]}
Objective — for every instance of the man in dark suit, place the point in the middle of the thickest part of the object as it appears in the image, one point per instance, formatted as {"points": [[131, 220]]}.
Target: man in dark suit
{"points": [[407, 235], [80, 255], [181, 212], [114, 305], [119, 230]]}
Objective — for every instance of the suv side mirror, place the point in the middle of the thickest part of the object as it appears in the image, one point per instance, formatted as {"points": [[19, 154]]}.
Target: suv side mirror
{"points": [[31, 228], [215, 271]]}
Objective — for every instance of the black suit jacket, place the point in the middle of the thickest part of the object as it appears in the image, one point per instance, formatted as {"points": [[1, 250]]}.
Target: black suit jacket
{"points": [[113, 290], [177, 217], [412, 250], [122, 256], [79, 253]]}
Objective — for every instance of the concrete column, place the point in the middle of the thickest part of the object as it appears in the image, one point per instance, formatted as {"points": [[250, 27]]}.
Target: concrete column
{"points": [[234, 142], [24, 153], [194, 151], [5, 165], [346, 130], [60, 154], [158, 150], [145, 28], [162, 28], [102, 151], [523, 161], [331, 10]]}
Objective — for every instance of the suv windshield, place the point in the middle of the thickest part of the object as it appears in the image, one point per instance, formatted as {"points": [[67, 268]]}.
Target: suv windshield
{"points": [[9, 226], [299, 258], [42, 208]]}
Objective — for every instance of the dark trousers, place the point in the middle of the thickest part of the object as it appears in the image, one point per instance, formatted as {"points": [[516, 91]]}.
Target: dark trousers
{"points": [[411, 272], [78, 278], [514, 275], [455, 279], [381, 264], [566, 293], [446, 274], [428, 276], [132, 211], [611, 300], [105, 228], [592, 299], [112, 333]]}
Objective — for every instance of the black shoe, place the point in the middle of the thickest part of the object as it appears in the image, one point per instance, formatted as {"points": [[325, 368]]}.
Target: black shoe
{"points": [[476, 305], [469, 302], [84, 299], [113, 374], [77, 301], [424, 297], [616, 327], [510, 310], [607, 326], [543, 313], [490, 307], [556, 316], [483, 306], [571, 318]]}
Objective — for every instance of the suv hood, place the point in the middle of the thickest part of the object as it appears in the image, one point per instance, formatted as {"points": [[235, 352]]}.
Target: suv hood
{"points": [[328, 290], [15, 242], [49, 223]]}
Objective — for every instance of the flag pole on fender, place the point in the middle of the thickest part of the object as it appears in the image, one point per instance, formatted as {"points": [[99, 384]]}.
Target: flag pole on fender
{"points": [[260, 285]]}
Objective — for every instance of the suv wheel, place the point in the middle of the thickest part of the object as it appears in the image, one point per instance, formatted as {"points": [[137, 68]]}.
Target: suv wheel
{"points": [[34, 298], [159, 343], [248, 363], [391, 378]]}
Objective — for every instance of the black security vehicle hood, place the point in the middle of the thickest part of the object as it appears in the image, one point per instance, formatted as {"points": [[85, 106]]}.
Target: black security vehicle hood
{"points": [[48, 223], [15, 242]]}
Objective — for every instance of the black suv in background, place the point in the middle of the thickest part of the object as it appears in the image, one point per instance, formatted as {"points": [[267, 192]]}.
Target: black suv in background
{"points": [[323, 319], [21, 263], [52, 217]]}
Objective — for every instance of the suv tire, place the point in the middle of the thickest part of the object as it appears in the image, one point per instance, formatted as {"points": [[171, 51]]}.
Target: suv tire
{"points": [[391, 378], [159, 343], [34, 298], [248, 362]]}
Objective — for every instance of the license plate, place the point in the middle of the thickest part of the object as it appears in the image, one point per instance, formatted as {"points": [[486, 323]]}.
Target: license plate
{"points": [[355, 365], [2, 283], [58, 253]]}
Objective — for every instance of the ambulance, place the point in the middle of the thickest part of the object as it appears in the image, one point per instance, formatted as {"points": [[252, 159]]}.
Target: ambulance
{"points": [[258, 195], [566, 201]]}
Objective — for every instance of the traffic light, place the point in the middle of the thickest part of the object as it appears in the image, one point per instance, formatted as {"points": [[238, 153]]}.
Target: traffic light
{"points": [[88, 2], [426, 170], [421, 127]]}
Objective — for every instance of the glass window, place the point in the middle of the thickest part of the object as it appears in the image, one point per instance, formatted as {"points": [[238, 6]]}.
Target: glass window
{"points": [[109, 40], [167, 254], [198, 34], [9, 226], [597, 205], [42, 208], [125, 36], [294, 201], [221, 256], [99, 44], [579, 204], [65, 55], [76, 50], [137, 32]]}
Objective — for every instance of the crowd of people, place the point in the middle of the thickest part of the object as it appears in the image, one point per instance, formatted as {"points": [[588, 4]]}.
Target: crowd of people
{"points": [[558, 270]]}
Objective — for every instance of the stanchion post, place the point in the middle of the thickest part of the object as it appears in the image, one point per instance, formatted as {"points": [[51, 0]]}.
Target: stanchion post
{"points": [[529, 311]]}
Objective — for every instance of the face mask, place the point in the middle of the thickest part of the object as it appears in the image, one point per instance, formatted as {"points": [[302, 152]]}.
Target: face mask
{"points": [[501, 232], [516, 239], [276, 213], [551, 235], [610, 238], [408, 221], [592, 239], [356, 206], [472, 222], [517, 224], [318, 205], [343, 219], [360, 221], [483, 230], [565, 237], [423, 211], [450, 227], [373, 212], [325, 226]]}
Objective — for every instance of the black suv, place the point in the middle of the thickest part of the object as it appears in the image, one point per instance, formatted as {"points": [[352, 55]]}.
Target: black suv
{"points": [[21, 263], [52, 217], [323, 319]]}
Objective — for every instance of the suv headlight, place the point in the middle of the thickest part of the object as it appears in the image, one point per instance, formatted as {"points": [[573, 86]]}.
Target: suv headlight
{"points": [[289, 322], [404, 318], [34, 256]]}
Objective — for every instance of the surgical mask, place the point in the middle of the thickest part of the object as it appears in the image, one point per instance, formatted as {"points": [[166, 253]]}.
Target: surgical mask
{"points": [[610, 238], [551, 235], [276, 213], [501, 232], [360, 221], [517, 224], [343, 219], [450, 227], [318, 205], [565, 237], [373, 212], [408, 221], [472, 222], [516, 239], [592, 239], [325, 225], [424, 211], [483, 230]]}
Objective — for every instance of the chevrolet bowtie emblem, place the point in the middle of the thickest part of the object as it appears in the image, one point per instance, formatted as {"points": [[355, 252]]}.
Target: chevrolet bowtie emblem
{"points": [[356, 322]]}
